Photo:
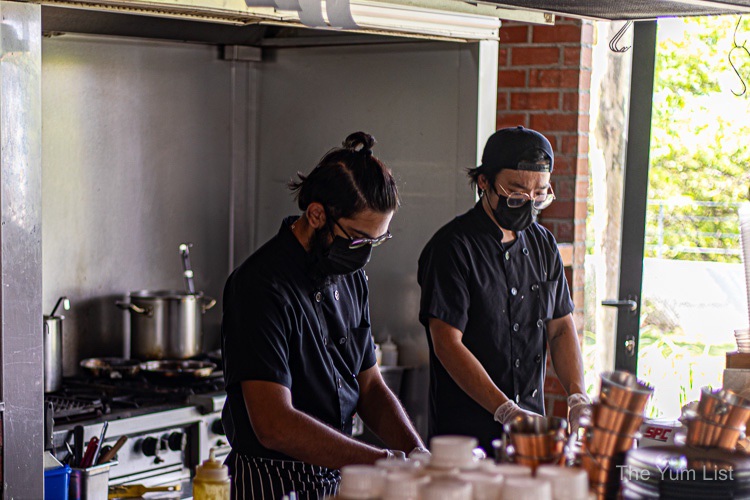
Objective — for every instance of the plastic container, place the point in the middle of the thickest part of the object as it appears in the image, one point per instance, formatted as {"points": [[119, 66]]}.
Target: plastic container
{"points": [[361, 482], [505, 470], [403, 486], [453, 452], [211, 481], [57, 483], [394, 465], [389, 350], [484, 486], [524, 488], [446, 489], [566, 483]]}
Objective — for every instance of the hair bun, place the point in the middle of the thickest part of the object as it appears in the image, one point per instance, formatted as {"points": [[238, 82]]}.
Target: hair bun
{"points": [[360, 141]]}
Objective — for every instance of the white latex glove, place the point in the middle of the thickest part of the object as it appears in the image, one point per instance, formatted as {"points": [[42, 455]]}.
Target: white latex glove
{"points": [[509, 410], [579, 406]]}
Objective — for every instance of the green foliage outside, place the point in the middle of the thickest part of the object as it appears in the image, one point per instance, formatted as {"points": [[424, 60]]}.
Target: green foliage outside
{"points": [[699, 149]]}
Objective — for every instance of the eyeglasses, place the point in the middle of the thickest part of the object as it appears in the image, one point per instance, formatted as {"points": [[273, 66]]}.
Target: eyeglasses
{"points": [[518, 199], [355, 243]]}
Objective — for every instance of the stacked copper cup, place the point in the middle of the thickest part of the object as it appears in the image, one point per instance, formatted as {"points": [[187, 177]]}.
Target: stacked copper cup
{"points": [[612, 430], [534, 440], [719, 421]]}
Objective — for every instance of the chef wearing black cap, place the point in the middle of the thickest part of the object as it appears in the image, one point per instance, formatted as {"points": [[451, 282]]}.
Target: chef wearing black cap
{"points": [[494, 297]]}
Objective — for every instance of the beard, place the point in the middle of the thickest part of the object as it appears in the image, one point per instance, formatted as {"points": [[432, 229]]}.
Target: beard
{"points": [[319, 244]]}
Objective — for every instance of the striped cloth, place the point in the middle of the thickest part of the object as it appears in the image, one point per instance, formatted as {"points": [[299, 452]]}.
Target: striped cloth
{"points": [[256, 478]]}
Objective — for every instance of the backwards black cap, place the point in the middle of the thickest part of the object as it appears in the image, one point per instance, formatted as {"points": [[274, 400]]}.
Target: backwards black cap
{"points": [[514, 148]]}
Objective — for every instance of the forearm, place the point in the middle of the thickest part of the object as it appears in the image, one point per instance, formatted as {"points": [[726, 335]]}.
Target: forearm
{"points": [[466, 370], [302, 437], [566, 357], [383, 413]]}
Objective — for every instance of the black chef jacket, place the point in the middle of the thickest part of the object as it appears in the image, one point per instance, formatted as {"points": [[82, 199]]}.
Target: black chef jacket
{"points": [[500, 296], [278, 326]]}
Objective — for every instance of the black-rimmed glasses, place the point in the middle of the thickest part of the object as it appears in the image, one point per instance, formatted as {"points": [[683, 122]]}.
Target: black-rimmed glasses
{"points": [[518, 199], [355, 243]]}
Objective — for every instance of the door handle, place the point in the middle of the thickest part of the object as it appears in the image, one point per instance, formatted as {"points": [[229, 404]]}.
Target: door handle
{"points": [[632, 305]]}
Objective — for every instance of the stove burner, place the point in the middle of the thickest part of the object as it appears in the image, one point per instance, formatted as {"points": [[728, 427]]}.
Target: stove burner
{"points": [[83, 398], [73, 408]]}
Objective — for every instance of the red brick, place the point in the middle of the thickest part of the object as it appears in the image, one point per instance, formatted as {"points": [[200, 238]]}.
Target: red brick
{"points": [[564, 166], [535, 101], [587, 33], [560, 209], [502, 101], [568, 145], [587, 56], [557, 34], [554, 78], [578, 280], [582, 166], [577, 101], [554, 122], [564, 231], [572, 56], [582, 188], [580, 209], [514, 34], [584, 81], [512, 120], [583, 123], [503, 58], [511, 78], [579, 298], [570, 101], [564, 187], [580, 232], [535, 56]]}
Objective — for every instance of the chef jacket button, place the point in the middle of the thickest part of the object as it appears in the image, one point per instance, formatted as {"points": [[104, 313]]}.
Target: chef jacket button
{"points": [[539, 323], [318, 297], [507, 255], [538, 358], [518, 362], [325, 340], [339, 382], [513, 291], [534, 287], [518, 398], [533, 394], [526, 251], [516, 327], [342, 340], [336, 295]]}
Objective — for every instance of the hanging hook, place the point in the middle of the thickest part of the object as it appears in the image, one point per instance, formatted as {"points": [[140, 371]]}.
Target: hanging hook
{"points": [[736, 46], [618, 36]]}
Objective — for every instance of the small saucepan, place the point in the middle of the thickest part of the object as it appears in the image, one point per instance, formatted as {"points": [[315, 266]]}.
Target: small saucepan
{"points": [[170, 371], [111, 367]]}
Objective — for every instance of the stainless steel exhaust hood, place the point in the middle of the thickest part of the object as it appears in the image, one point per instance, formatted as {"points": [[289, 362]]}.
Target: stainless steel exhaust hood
{"points": [[439, 19]]}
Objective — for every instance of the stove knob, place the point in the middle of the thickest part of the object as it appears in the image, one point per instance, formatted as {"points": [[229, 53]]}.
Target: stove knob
{"points": [[177, 441], [217, 427], [149, 446]]}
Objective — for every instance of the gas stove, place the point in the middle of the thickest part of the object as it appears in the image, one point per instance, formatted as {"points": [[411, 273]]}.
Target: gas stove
{"points": [[170, 428]]}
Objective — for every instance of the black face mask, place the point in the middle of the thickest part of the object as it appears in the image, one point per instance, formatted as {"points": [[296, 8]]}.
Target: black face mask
{"points": [[336, 259], [339, 259], [514, 219]]}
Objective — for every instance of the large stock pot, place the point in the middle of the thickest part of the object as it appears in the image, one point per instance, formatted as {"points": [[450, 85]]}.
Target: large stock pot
{"points": [[166, 324]]}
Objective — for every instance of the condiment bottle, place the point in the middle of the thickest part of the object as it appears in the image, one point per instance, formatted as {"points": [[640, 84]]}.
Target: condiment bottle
{"points": [[211, 480], [389, 350], [361, 482]]}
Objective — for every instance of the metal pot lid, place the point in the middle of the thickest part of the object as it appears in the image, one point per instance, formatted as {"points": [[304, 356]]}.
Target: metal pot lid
{"points": [[165, 294]]}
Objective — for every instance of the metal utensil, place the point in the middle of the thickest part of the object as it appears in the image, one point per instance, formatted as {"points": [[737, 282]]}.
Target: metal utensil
{"points": [[187, 270], [110, 454], [138, 490], [101, 442]]}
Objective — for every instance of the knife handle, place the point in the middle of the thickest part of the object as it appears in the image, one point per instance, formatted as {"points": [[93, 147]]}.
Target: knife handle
{"points": [[110, 454]]}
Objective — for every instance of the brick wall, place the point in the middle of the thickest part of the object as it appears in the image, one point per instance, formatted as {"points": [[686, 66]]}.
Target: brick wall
{"points": [[544, 83]]}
